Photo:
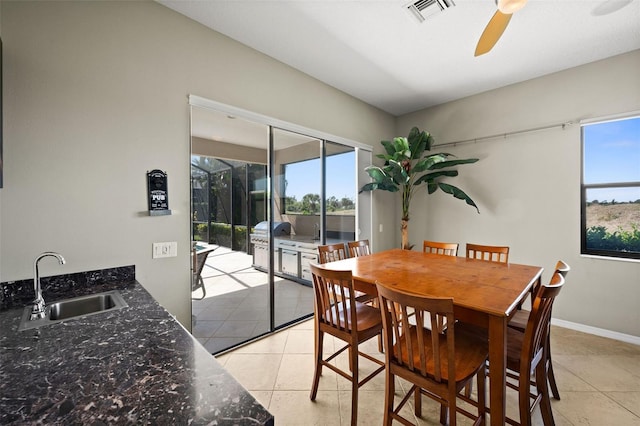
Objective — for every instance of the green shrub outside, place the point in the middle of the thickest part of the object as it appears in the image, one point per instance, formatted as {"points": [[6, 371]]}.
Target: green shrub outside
{"points": [[599, 238], [221, 235]]}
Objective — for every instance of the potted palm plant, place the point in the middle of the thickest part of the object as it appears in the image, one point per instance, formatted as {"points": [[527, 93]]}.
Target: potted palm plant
{"points": [[408, 165]]}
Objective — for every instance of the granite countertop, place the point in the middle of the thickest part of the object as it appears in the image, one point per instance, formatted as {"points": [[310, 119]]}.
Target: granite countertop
{"points": [[135, 365]]}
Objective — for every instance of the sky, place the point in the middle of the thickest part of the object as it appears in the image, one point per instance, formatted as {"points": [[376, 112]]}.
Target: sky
{"points": [[612, 154], [304, 177]]}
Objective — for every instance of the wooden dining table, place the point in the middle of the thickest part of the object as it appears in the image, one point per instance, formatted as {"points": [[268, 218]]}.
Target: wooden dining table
{"points": [[484, 293]]}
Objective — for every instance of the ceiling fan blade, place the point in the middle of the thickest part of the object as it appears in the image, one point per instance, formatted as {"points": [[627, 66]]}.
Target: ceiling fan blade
{"points": [[492, 32]]}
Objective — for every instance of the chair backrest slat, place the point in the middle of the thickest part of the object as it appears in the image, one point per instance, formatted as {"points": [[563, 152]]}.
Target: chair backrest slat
{"points": [[436, 247], [332, 252], [489, 253], [359, 248]]}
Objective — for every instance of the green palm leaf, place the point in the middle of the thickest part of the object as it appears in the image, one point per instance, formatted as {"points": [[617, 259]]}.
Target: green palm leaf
{"points": [[458, 193]]}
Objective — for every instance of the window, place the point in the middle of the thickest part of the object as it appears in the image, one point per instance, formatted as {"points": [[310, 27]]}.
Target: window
{"points": [[611, 187]]}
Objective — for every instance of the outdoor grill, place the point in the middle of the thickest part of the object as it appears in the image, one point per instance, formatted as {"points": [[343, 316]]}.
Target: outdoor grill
{"points": [[260, 233], [260, 242]]}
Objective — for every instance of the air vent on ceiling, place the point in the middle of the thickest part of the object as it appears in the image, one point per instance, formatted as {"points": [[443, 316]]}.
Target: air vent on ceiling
{"points": [[422, 9]]}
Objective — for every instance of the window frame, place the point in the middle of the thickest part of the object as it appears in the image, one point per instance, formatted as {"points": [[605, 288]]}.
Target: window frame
{"points": [[584, 187]]}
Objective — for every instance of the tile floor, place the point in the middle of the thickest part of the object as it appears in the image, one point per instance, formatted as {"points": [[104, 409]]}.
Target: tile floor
{"points": [[599, 381], [236, 305]]}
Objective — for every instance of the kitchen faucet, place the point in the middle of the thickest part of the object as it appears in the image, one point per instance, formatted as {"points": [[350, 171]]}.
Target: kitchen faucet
{"points": [[37, 310]]}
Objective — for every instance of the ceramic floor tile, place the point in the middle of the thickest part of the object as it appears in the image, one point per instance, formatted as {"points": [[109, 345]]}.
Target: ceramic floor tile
{"points": [[293, 408], [254, 371], [301, 342], [304, 325], [601, 372], [273, 344], [371, 408], [566, 380], [629, 400], [329, 345], [263, 397], [217, 344], [570, 342], [246, 314], [296, 373], [205, 328], [236, 329], [214, 314], [593, 408]]}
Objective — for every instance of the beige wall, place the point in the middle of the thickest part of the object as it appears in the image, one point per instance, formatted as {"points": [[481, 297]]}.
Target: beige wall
{"points": [[227, 151], [95, 96], [528, 186]]}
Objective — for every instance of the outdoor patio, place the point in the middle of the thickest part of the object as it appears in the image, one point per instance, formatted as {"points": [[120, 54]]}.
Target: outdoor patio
{"points": [[236, 307]]}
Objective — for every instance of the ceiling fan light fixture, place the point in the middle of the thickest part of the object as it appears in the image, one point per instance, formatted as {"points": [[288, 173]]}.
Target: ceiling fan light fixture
{"points": [[510, 6]]}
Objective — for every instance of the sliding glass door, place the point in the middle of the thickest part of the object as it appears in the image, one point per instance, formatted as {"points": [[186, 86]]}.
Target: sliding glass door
{"points": [[263, 198], [229, 176], [297, 179]]}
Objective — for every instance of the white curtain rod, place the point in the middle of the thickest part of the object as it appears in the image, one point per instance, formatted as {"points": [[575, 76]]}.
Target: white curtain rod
{"points": [[504, 135]]}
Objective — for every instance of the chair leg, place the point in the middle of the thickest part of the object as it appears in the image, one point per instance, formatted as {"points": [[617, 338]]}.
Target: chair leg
{"points": [[552, 380], [319, 337], [468, 389], [354, 384], [204, 288], [389, 394], [417, 402], [443, 414], [481, 397], [550, 375], [524, 389], [452, 408], [545, 401]]}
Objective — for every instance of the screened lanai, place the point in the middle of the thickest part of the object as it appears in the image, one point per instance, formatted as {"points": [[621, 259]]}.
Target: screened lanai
{"points": [[228, 196]]}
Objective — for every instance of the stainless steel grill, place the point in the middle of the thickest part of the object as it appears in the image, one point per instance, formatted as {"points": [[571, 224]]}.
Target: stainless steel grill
{"points": [[260, 234]]}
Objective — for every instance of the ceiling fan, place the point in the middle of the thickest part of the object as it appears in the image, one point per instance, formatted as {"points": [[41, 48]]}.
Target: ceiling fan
{"points": [[498, 23]]}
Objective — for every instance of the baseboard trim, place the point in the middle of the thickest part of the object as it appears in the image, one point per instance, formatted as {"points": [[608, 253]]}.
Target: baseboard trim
{"points": [[628, 338]]}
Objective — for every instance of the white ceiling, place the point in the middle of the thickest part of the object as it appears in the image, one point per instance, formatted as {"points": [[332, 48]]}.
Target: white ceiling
{"points": [[377, 51]]}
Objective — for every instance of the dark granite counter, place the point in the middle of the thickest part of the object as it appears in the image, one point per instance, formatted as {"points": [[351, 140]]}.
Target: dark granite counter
{"points": [[136, 365]]}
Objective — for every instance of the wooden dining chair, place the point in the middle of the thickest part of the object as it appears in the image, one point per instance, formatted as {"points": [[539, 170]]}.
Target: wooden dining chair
{"points": [[448, 249], [490, 253], [332, 252], [359, 248], [346, 319], [437, 365], [520, 320], [526, 355]]}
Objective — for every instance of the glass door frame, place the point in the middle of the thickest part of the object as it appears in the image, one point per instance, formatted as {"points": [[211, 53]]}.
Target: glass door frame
{"points": [[273, 123]]}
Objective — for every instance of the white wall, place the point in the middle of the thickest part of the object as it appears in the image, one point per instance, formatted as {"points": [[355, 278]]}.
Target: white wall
{"points": [[528, 186], [95, 96]]}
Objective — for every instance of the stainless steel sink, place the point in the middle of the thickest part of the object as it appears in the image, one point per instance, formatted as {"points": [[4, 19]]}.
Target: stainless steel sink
{"points": [[74, 308]]}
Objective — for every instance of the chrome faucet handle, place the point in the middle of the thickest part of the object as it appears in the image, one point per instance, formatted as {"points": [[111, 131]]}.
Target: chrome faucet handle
{"points": [[37, 310]]}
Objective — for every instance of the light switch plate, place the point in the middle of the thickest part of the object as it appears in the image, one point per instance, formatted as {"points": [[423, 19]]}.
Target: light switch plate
{"points": [[165, 249]]}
